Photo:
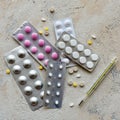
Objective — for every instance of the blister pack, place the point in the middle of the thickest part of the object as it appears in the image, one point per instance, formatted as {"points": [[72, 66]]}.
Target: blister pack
{"points": [[41, 49], [26, 76], [77, 52], [63, 25], [54, 84]]}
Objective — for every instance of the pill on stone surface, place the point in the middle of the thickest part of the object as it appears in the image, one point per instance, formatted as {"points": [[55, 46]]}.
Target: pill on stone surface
{"points": [[40, 56], [40, 32], [89, 42], [70, 83], [52, 10], [93, 36], [32, 74], [80, 47], [11, 59], [41, 42], [8, 71], [42, 93], [46, 28], [20, 36], [48, 49], [27, 29], [75, 55], [78, 75], [34, 49], [66, 37], [27, 63], [94, 57], [61, 45], [28, 90], [38, 84], [46, 33], [34, 36], [58, 84], [21, 53], [66, 60], [75, 84], [41, 67], [56, 102], [71, 104], [27, 43], [34, 101], [54, 55], [81, 84], [43, 19], [90, 64], [68, 50], [16, 69], [73, 42], [87, 52], [70, 71], [75, 69], [22, 80], [82, 60]]}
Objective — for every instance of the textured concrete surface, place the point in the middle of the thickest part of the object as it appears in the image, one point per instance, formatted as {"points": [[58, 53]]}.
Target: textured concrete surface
{"points": [[100, 17]]}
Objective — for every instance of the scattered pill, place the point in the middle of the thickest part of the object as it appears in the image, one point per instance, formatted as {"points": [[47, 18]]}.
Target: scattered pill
{"points": [[81, 84], [46, 28], [46, 33], [90, 42], [75, 84], [40, 32], [43, 19], [70, 71], [41, 67], [7, 71], [71, 104], [70, 83], [75, 69], [78, 75], [52, 10], [93, 36]]}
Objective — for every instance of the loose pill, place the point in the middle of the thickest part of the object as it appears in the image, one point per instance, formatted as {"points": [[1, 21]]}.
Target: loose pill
{"points": [[41, 67], [75, 84], [89, 42], [46, 28], [40, 32], [8, 71], [70, 83]]}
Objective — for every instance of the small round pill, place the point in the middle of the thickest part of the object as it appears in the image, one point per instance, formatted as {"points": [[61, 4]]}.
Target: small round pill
{"points": [[27, 63], [56, 102], [70, 71], [68, 50], [38, 84], [90, 64], [22, 80], [66, 37], [66, 60], [42, 93], [89, 42], [28, 29], [58, 84], [59, 32], [8, 71], [70, 83], [11, 59], [51, 65], [20, 36], [34, 49], [43, 19], [50, 74], [59, 75], [82, 60], [40, 56], [81, 84], [94, 57], [48, 49], [40, 32], [75, 84], [78, 75], [49, 83], [47, 101], [57, 93], [80, 47], [34, 36], [75, 69], [87, 52], [33, 74], [21, 53], [61, 45], [41, 67], [54, 55], [34, 101], [93, 36], [28, 90], [69, 30], [41, 42], [75, 55], [73, 42], [48, 92], [67, 22], [46, 33], [58, 24], [52, 10], [60, 67], [27, 43], [16, 69], [46, 62], [46, 28], [71, 104]]}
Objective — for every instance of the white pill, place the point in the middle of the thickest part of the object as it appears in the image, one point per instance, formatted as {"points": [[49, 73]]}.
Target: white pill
{"points": [[57, 93], [93, 36], [66, 60], [94, 57], [34, 101], [87, 52], [48, 92], [66, 37], [90, 64], [22, 80], [33, 74], [56, 102], [80, 47], [42, 94], [58, 84], [73, 42], [16, 69], [75, 55], [11, 59], [27, 63], [82, 60], [49, 83], [47, 101], [21, 53], [59, 75], [61, 45], [51, 65], [69, 30], [68, 50], [67, 22], [50, 74], [28, 90], [58, 24], [38, 84], [60, 67]]}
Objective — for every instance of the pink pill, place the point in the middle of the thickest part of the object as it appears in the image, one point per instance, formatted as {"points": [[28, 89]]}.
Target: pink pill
{"points": [[20, 36], [54, 55], [41, 42], [27, 43], [34, 49], [48, 49], [27, 29], [40, 56], [46, 62], [34, 36]]}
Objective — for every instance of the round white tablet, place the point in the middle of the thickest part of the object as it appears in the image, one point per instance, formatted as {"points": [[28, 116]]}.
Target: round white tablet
{"points": [[94, 57], [61, 45], [66, 60], [82, 60], [68, 50], [73, 42], [90, 64], [87, 52], [66, 37], [75, 55], [80, 47]]}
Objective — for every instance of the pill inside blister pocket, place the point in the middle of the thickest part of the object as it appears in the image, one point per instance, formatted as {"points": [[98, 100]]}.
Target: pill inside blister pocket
{"points": [[66, 37], [27, 63], [61, 45], [28, 90], [34, 101], [16, 69], [94, 57], [22, 80], [21, 53], [33, 74], [67, 23], [90, 64], [38, 84], [58, 24], [11, 59], [73, 42]]}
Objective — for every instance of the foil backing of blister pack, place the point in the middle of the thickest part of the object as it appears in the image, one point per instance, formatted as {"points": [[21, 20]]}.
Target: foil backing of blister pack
{"points": [[26, 75]]}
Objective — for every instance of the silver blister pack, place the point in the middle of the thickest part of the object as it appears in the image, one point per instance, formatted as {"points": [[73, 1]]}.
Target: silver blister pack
{"points": [[77, 52], [26, 75], [54, 84], [40, 49]]}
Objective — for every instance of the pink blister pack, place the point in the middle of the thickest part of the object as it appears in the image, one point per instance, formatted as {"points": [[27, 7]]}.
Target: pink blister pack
{"points": [[40, 48]]}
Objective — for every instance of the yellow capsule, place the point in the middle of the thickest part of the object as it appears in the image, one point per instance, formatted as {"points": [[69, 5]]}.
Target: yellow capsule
{"points": [[75, 84], [46, 28], [40, 32], [89, 42], [41, 67], [7, 71]]}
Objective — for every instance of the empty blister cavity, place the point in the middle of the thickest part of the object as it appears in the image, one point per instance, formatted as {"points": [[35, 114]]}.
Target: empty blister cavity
{"points": [[26, 75], [38, 47], [54, 84], [77, 52]]}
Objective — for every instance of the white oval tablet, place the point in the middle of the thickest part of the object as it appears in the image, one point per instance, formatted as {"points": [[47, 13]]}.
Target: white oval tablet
{"points": [[68, 50], [80, 47], [75, 55], [61, 45], [66, 37], [82, 60], [73, 42], [90, 64], [87, 52], [94, 57], [66, 60]]}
